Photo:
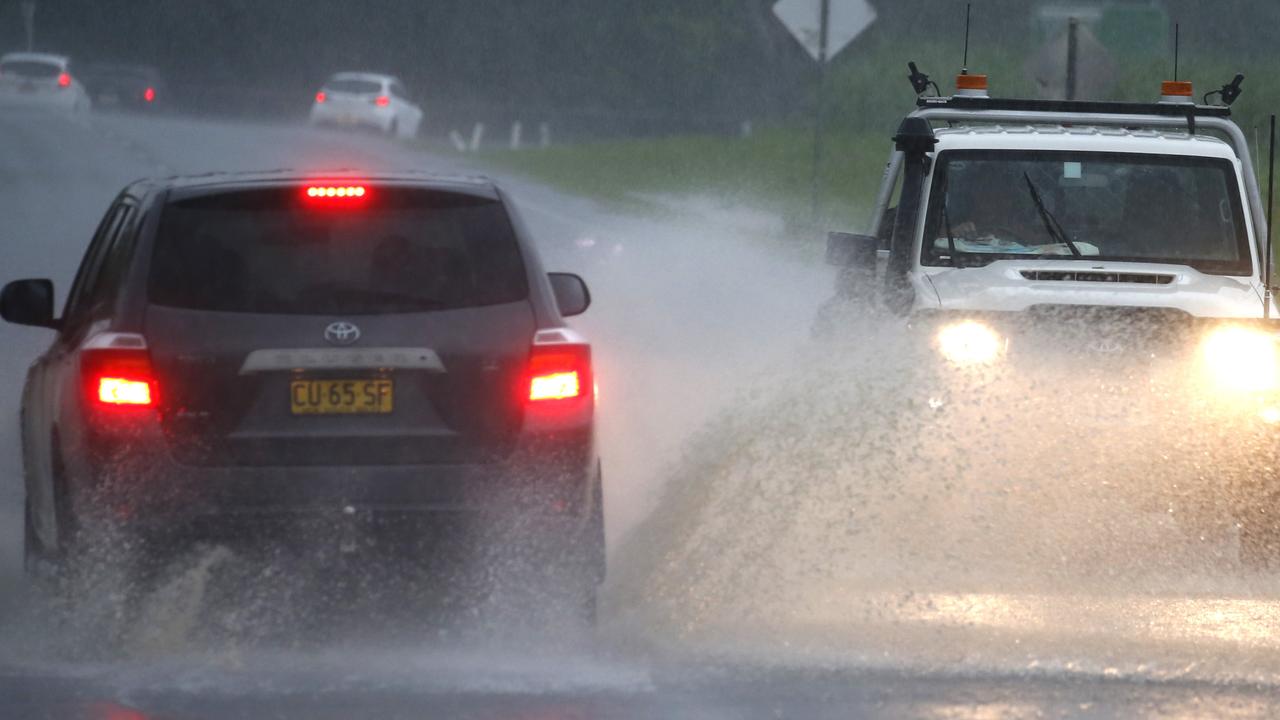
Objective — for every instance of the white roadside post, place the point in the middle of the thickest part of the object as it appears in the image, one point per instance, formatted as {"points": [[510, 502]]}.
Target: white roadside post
{"points": [[823, 28], [544, 135], [456, 138], [515, 135], [477, 136], [29, 23]]}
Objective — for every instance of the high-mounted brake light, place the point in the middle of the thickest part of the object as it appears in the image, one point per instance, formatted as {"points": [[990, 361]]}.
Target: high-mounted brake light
{"points": [[149, 94], [117, 373], [320, 97], [336, 191], [64, 80], [382, 101], [1176, 91]]}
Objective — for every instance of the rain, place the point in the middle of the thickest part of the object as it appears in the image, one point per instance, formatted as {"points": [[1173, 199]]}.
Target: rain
{"points": [[968, 418]]}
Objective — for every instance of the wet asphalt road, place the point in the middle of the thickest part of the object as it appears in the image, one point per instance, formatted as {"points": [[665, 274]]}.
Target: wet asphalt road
{"points": [[678, 308]]}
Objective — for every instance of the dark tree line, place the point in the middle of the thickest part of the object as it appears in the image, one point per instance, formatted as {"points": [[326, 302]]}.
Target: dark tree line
{"points": [[635, 58]]}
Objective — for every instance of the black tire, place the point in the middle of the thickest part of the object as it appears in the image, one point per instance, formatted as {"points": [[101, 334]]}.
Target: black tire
{"points": [[1259, 544], [33, 551], [590, 565], [544, 574], [41, 564], [1256, 512]]}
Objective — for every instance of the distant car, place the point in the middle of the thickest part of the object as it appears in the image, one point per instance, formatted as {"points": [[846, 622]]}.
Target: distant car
{"points": [[367, 100], [239, 353], [138, 87], [41, 80]]}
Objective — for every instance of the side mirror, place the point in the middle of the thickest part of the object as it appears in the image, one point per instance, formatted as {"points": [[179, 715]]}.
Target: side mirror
{"points": [[572, 295], [852, 250], [28, 302]]}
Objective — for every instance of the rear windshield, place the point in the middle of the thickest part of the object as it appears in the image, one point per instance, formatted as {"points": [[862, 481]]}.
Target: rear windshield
{"points": [[280, 252], [127, 72], [32, 69], [355, 87]]}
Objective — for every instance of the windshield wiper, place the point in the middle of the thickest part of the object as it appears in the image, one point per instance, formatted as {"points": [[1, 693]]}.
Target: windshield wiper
{"points": [[1050, 223], [951, 241], [946, 222]]}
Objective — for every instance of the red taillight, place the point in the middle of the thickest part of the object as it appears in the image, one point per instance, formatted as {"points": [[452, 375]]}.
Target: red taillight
{"points": [[117, 373], [149, 94], [320, 97], [558, 384], [382, 101], [124, 391], [64, 80], [559, 369]]}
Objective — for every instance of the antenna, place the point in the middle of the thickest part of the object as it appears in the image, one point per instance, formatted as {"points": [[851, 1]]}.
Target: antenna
{"points": [[1175, 51], [964, 67], [1271, 187]]}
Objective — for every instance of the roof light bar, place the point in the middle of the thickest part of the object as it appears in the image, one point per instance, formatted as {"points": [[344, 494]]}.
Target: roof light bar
{"points": [[960, 102]]}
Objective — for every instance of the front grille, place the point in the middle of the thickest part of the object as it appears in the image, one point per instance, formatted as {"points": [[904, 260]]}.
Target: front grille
{"points": [[1098, 276], [1103, 333]]}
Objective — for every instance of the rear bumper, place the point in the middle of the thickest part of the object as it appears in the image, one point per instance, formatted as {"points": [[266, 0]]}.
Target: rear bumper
{"points": [[55, 101], [140, 483], [370, 117]]}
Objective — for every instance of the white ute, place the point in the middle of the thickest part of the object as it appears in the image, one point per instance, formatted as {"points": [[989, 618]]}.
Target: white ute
{"points": [[1102, 259]]}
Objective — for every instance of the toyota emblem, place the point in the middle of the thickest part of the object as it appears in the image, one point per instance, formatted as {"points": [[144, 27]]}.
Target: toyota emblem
{"points": [[1106, 346], [341, 333]]}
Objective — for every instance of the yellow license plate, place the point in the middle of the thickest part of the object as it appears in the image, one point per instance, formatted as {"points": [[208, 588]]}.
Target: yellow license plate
{"points": [[340, 397]]}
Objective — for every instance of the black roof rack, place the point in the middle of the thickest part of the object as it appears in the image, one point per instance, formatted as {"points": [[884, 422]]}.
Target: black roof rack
{"points": [[960, 102]]}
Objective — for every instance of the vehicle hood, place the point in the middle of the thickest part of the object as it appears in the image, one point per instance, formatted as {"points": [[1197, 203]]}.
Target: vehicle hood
{"points": [[1017, 285]]}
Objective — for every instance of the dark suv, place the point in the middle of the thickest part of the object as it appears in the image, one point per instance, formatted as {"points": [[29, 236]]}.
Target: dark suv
{"points": [[243, 349]]}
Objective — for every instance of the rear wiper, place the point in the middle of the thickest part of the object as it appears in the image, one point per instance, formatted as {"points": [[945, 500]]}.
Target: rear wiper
{"points": [[1050, 223]]}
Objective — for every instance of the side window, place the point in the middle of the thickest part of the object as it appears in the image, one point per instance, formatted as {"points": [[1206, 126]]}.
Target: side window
{"points": [[79, 301], [115, 262], [398, 90]]}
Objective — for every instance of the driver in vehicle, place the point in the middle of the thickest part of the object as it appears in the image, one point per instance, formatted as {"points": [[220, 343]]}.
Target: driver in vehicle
{"points": [[991, 206]]}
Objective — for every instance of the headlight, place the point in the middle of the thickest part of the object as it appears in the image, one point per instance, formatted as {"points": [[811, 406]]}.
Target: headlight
{"points": [[969, 343], [1241, 359]]}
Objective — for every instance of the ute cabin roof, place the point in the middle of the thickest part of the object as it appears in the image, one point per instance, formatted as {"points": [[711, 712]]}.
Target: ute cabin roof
{"points": [[1083, 139]]}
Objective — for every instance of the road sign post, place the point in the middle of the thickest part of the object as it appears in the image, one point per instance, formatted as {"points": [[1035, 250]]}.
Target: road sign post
{"points": [[29, 22], [824, 23], [823, 28]]}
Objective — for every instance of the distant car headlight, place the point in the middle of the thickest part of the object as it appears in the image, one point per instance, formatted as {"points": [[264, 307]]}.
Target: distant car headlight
{"points": [[1241, 359], [970, 343]]}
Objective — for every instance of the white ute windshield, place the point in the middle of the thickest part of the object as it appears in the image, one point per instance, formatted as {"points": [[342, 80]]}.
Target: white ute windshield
{"points": [[999, 204]]}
